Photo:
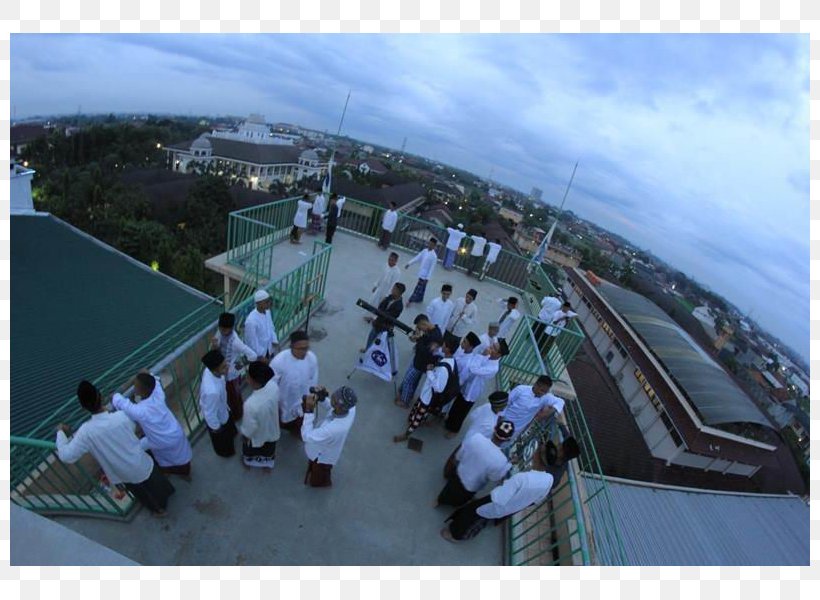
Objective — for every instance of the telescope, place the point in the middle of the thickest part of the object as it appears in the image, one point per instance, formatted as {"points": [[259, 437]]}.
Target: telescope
{"points": [[384, 316]]}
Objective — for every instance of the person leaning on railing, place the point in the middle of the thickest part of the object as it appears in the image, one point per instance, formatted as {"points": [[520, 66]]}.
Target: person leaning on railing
{"points": [[527, 488], [533, 402], [110, 439]]}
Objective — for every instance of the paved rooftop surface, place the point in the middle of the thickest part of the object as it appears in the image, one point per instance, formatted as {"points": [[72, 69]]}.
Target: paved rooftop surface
{"points": [[379, 510]]}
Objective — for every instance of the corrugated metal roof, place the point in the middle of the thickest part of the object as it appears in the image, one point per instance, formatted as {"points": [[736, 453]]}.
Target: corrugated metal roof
{"points": [[77, 307], [663, 526], [717, 397]]}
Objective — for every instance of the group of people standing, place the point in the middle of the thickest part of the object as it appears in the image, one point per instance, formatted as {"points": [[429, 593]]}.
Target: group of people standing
{"points": [[311, 213]]}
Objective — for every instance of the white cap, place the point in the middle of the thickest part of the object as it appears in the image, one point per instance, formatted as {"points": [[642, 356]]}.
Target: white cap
{"points": [[261, 296], [460, 226]]}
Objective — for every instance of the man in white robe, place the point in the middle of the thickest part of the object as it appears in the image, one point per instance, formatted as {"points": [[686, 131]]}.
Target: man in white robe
{"points": [[260, 332], [164, 437], [389, 220], [453, 243], [427, 259], [492, 256], [389, 277], [260, 420], [490, 337], [295, 370], [464, 315], [213, 402], [110, 439], [509, 317], [324, 441], [227, 341], [440, 309], [300, 218]]}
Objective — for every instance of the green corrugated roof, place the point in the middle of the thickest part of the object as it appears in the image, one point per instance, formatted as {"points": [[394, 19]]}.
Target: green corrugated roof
{"points": [[77, 308]]}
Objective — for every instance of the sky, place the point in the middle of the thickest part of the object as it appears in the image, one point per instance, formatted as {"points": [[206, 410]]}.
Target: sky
{"points": [[695, 147]]}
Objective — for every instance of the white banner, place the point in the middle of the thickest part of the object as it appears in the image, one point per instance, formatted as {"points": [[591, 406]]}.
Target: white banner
{"points": [[377, 360]]}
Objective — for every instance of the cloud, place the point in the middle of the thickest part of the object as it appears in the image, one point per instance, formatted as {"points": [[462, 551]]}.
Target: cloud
{"points": [[693, 146]]}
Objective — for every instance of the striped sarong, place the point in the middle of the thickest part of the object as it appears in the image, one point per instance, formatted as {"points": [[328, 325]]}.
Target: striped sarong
{"points": [[418, 292], [409, 385]]}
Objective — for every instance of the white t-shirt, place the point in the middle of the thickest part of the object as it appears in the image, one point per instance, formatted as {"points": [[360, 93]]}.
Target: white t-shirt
{"points": [[454, 241], [478, 245], [492, 255], [389, 220], [479, 462]]}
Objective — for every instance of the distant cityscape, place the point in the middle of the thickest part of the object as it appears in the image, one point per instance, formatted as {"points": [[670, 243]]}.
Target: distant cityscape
{"points": [[261, 162]]}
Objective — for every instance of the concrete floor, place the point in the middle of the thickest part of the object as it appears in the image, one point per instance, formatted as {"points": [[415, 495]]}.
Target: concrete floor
{"points": [[379, 510]]}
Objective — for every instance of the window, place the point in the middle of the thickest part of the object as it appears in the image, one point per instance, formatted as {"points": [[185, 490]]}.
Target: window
{"points": [[609, 356]]}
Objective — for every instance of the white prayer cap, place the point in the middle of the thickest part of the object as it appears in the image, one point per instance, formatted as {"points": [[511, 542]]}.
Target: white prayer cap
{"points": [[261, 296], [460, 226]]}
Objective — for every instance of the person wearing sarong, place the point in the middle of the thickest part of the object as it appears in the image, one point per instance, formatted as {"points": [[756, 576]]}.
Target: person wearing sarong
{"points": [[389, 221], [480, 369], [428, 342], [295, 371], [318, 211], [427, 259], [324, 441], [482, 420], [464, 315], [480, 461], [163, 438], [213, 401], [260, 421], [522, 490], [300, 219], [430, 398], [110, 439], [476, 254], [227, 341], [463, 356]]}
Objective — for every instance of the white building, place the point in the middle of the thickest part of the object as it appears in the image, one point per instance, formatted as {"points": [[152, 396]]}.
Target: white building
{"points": [[251, 154], [21, 200]]}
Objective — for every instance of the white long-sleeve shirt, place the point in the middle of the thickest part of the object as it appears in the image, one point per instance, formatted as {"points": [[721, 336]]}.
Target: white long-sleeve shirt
{"points": [[260, 333], [295, 377], [479, 462], [260, 415], [232, 348], [439, 312], [428, 260], [523, 405], [523, 489], [463, 362], [492, 255], [480, 370], [213, 400], [559, 320], [482, 420], [319, 204], [463, 317], [454, 239], [164, 436], [549, 304], [389, 220], [435, 381], [478, 245], [324, 442], [300, 218], [389, 277], [110, 439], [507, 325]]}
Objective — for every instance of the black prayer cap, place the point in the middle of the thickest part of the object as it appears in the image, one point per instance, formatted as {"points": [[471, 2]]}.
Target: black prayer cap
{"points": [[472, 293], [227, 319], [446, 288], [88, 395], [512, 300], [473, 339], [213, 359], [260, 372]]}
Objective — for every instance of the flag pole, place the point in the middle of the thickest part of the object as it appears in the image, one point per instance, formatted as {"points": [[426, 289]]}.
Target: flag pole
{"points": [[331, 162], [542, 248]]}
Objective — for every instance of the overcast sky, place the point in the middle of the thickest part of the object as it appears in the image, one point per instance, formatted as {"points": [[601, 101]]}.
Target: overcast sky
{"points": [[692, 146]]}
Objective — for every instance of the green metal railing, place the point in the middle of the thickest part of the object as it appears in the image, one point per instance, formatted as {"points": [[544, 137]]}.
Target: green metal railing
{"points": [[41, 482], [559, 531]]}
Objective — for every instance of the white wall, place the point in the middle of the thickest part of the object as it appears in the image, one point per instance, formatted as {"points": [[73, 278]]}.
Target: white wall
{"points": [[21, 200]]}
